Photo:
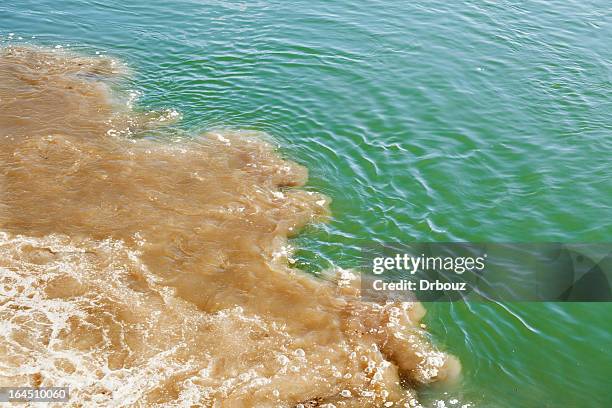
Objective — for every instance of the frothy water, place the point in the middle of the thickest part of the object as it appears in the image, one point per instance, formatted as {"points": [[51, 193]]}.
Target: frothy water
{"points": [[145, 271]]}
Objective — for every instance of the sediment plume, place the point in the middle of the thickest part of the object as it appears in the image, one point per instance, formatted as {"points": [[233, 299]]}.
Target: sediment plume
{"points": [[143, 270]]}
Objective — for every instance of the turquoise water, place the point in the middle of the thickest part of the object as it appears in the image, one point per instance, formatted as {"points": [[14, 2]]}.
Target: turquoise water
{"points": [[468, 121]]}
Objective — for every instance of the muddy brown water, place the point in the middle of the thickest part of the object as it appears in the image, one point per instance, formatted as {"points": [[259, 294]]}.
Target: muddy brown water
{"points": [[154, 271]]}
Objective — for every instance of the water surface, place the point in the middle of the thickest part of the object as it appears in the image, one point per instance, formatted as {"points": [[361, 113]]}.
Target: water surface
{"points": [[470, 121]]}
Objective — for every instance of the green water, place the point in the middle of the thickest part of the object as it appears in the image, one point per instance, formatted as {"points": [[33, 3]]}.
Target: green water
{"points": [[424, 121]]}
